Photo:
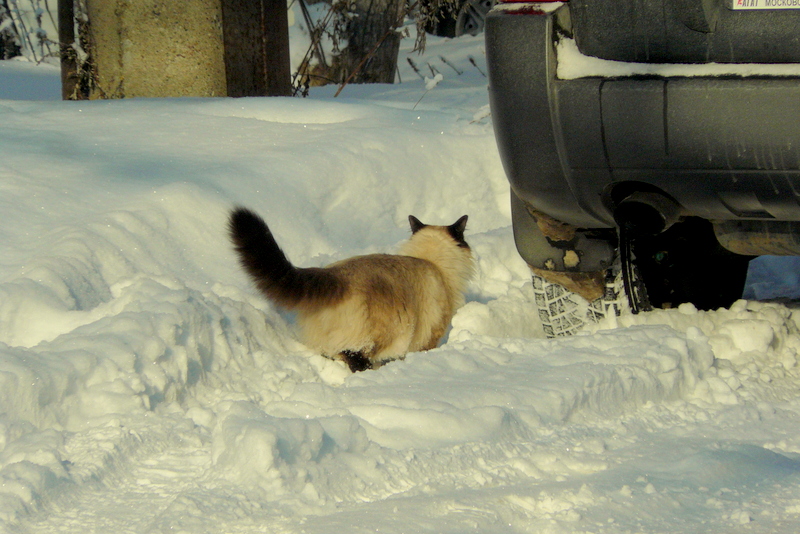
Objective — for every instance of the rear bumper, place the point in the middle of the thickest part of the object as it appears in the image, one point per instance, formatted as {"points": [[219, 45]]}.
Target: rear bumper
{"points": [[723, 147]]}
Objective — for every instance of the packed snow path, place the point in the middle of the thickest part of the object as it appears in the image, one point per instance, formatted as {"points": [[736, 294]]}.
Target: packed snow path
{"points": [[145, 387]]}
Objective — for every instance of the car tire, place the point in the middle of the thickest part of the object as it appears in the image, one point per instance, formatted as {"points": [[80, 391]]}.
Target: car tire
{"points": [[564, 313], [471, 18], [465, 18], [687, 264]]}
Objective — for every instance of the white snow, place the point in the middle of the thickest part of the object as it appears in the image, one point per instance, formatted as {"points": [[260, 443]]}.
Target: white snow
{"points": [[146, 387], [573, 64]]}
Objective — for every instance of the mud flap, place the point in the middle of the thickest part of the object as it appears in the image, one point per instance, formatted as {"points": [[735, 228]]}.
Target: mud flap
{"points": [[562, 253]]}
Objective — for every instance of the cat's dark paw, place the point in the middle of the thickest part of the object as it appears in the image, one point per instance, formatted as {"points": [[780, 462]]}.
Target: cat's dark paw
{"points": [[356, 360]]}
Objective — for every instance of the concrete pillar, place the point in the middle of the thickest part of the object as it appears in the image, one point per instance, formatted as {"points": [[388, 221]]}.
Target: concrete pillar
{"points": [[160, 48]]}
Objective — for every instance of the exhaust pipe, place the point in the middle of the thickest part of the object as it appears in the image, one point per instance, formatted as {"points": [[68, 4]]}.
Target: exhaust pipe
{"points": [[646, 213]]}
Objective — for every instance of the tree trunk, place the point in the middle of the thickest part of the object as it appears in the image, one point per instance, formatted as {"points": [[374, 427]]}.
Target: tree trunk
{"points": [[256, 35], [69, 60], [372, 22]]}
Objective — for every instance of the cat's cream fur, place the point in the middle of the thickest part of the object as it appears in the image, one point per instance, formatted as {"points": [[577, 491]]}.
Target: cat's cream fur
{"points": [[369, 309]]}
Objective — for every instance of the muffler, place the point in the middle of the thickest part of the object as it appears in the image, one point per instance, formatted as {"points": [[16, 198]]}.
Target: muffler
{"points": [[759, 237]]}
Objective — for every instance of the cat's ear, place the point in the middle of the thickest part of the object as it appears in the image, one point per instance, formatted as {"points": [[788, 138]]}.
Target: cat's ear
{"points": [[456, 231], [458, 227], [416, 224]]}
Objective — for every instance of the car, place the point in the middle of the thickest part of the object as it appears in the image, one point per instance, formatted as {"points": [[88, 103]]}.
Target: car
{"points": [[652, 147], [459, 17]]}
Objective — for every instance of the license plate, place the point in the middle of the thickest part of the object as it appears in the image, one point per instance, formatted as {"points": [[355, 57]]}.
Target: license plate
{"points": [[765, 4]]}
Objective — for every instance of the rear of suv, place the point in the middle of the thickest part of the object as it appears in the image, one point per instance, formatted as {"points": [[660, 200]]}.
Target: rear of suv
{"points": [[660, 136]]}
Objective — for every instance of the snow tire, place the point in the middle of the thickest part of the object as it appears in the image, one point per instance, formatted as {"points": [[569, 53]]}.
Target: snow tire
{"points": [[563, 313]]}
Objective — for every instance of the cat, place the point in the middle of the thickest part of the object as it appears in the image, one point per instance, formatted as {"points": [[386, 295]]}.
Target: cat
{"points": [[364, 310]]}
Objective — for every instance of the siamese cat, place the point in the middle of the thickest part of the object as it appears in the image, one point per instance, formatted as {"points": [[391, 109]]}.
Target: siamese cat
{"points": [[364, 310]]}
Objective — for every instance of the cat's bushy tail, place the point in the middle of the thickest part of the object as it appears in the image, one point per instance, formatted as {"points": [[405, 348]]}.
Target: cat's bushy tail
{"points": [[280, 281]]}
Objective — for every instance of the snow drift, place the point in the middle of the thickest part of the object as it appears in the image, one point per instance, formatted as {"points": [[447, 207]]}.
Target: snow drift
{"points": [[146, 387]]}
